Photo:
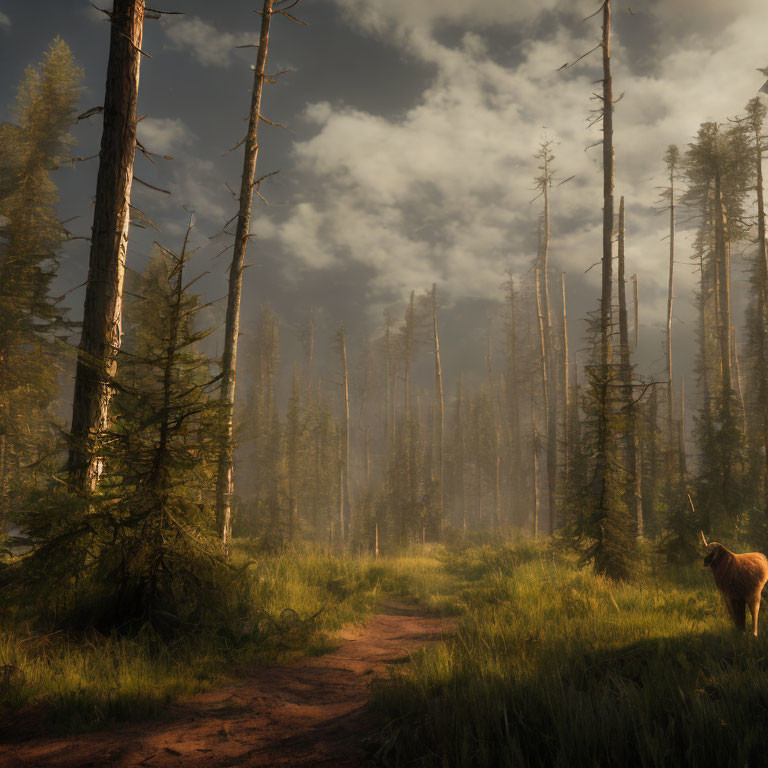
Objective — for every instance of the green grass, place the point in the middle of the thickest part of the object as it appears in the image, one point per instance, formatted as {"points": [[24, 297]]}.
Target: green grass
{"points": [[551, 665], [554, 666], [65, 683]]}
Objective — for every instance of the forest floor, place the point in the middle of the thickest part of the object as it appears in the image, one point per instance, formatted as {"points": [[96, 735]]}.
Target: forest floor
{"points": [[310, 713]]}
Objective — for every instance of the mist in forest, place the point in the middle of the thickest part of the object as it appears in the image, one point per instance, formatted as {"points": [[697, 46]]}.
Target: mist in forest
{"points": [[309, 303]]}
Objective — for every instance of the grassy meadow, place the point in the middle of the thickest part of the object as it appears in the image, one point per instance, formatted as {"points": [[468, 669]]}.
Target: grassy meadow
{"points": [[554, 666], [551, 665]]}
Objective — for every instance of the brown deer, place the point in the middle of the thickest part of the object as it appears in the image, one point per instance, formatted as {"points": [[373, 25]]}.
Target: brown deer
{"points": [[739, 578]]}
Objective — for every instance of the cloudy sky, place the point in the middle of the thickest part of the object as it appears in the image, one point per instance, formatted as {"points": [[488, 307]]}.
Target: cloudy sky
{"points": [[409, 159]]}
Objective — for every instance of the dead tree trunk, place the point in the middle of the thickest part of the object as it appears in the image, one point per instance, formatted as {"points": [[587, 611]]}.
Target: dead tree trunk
{"points": [[603, 420], [408, 347], [737, 375], [225, 477], [389, 438], [460, 456], [102, 314], [671, 159], [566, 388], [548, 357], [723, 287], [513, 402], [438, 409], [631, 453], [637, 311], [683, 468], [342, 520], [342, 342], [546, 385], [535, 479]]}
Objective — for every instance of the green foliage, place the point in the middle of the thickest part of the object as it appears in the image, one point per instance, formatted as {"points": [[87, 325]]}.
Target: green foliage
{"points": [[404, 488], [142, 549], [31, 320], [598, 522], [720, 500]]}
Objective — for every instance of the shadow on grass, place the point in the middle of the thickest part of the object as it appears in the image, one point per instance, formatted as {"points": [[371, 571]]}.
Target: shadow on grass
{"points": [[698, 699]]}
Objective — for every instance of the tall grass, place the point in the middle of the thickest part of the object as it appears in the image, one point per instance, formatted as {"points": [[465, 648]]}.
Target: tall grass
{"points": [[293, 604], [554, 666]]}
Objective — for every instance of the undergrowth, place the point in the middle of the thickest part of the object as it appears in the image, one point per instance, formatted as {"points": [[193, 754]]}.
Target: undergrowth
{"points": [[68, 681]]}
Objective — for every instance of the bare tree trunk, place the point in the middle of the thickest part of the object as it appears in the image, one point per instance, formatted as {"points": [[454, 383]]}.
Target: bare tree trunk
{"points": [[513, 402], [102, 313], [496, 488], [670, 300], [460, 455], [408, 353], [389, 439], [548, 357], [342, 520], [225, 484], [737, 374], [683, 468], [637, 311], [566, 387], [342, 342], [535, 483], [394, 415], [633, 494], [724, 289], [438, 409], [546, 384], [603, 431], [368, 460]]}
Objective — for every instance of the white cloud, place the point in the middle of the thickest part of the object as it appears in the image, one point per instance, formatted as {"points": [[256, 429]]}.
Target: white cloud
{"points": [[426, 14], [5, 20], [163, 135], [442, 192], [203, 41]]}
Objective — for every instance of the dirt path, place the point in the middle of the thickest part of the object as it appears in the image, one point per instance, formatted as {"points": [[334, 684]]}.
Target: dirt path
{"points": [[311, 713]]}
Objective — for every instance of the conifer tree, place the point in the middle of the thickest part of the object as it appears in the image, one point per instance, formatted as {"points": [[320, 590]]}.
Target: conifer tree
{"points": [[31, 319], [144, 547]]}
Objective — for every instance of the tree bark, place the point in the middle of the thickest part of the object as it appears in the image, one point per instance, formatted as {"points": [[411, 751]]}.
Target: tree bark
{"points": [[102, 313], [546, 385], [683, 468], [633, 494], [535, 483], [513, 402], [637, 311], [723, 287], [225, 477], [737, 375], [342, 339], [408, 341], [548, 357], [603, 431], [389, 438], [566, 388], [670, 300], [438, 409]]}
